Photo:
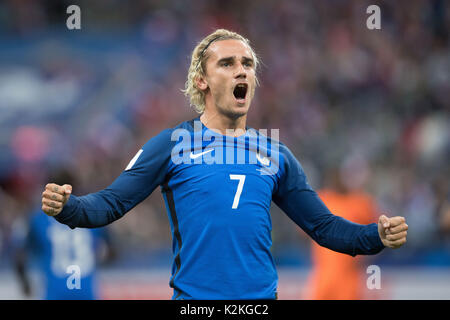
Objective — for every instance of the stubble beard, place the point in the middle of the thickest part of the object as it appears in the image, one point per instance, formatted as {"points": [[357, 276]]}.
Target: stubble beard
{"points": [[231, 111]]}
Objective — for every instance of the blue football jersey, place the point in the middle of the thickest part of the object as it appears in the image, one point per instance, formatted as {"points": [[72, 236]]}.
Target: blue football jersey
{"points": [[63, 254], [218, 191]]}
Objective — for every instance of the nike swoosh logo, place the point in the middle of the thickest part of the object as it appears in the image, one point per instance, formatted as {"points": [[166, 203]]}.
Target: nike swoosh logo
{"points": [[264, 161], [195, 156]]}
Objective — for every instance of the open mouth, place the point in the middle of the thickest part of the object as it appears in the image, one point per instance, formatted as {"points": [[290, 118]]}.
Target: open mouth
{"points": [[240, 91]]}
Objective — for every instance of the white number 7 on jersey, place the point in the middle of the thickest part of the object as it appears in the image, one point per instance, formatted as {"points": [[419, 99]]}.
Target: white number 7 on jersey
{"points": [[237, 196]]}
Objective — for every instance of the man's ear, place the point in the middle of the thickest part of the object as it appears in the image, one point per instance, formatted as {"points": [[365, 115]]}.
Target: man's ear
{"points": [[201, 83]]}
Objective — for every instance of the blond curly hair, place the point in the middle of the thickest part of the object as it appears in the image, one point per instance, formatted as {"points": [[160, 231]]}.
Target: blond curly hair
{"points": [[197, 67]]}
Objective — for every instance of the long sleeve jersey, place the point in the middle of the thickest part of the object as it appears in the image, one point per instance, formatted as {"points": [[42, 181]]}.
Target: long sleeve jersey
{"points": [[218, 190]]}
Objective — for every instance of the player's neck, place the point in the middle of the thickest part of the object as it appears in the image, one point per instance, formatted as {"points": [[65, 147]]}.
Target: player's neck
{"points": [[223, 124]]}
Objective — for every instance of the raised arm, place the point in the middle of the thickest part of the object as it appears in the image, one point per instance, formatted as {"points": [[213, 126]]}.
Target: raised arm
{"points": [[302, 204], [145, 172]]}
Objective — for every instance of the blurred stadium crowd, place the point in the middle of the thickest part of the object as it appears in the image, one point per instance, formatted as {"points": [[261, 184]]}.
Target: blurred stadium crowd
{"points": [[374, 103]]}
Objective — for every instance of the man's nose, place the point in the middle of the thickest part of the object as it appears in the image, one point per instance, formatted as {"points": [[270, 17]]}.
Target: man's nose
{"points": [[240, 72]]}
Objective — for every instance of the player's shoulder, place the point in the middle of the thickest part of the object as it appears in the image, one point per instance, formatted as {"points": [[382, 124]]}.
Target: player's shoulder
{"points": [[279, 152], [166, 134], [164, 139], [272, 140], [186, 125], [284, 152]]}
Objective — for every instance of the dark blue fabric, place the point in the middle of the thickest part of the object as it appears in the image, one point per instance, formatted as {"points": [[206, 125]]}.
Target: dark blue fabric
{"points": [[221, 236], [302, 204]]}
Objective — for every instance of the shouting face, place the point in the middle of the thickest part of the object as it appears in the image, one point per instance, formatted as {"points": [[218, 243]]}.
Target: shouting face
{"points": [[230, 79]]}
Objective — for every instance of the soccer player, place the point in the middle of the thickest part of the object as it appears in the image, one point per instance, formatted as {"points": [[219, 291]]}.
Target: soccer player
{"points": [[62, 255], [218, 200]]}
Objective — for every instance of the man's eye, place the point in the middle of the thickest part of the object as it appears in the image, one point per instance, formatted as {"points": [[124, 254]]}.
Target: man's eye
{"points": [[226, 64]]}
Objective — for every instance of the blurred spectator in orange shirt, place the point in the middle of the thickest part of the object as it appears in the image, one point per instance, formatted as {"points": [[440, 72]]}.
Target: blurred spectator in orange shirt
{"points": [[337, 276]]}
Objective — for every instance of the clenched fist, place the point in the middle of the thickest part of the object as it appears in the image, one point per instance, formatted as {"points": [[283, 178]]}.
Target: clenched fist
{"points": [[55, 197], [392, 231]]}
